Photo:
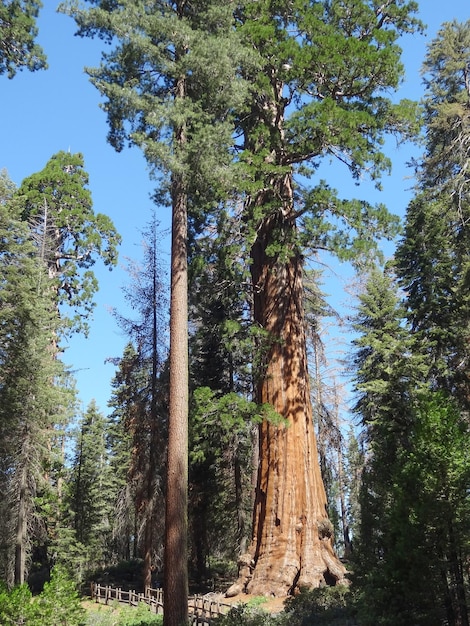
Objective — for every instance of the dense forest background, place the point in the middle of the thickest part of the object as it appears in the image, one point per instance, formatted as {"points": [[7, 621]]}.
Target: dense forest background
{"points": [[236, 148]]}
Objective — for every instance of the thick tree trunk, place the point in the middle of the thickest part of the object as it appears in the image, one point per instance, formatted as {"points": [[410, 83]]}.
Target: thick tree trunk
{"points": [[176, 518], [292, 544]]}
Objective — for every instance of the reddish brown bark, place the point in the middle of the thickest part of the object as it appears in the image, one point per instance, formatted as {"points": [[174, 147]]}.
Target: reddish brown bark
{"points": [[176, 520], [176, 515], [292, 545]]}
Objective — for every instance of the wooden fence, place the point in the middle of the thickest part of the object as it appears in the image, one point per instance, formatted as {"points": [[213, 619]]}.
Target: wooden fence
{"points": [[202, 609]]}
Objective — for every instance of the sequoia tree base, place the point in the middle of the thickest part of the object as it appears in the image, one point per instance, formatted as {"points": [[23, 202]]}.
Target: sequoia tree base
{"points": [[281, 580]]}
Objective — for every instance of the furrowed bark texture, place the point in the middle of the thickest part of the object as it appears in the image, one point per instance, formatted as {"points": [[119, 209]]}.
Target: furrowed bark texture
{"points": [[176, 518], [292, 545]]}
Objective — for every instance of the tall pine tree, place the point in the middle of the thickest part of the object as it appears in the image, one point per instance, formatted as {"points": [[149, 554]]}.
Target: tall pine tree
{"points": [[432, 258], [387, 377], [90, 495], [165, 94], [32, 400]]}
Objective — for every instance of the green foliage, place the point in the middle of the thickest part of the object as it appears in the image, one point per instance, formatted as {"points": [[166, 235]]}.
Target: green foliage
{"points": [[59, 603], [57, 205], [127, 616], [138, 424], [243, 615], [18, 48], [220, 455], [433, 267], [328, 606], [90, 495], [35, 391], [412, 573], [446, 114], [385, 363], [330, 105], [15, 605], [216, 419], [432, 258], [415, 479], [140, 72], [139, 616]]}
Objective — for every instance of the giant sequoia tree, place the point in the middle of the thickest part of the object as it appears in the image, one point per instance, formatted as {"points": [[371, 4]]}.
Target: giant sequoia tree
{"points": [[321, 91], [318, 88]]}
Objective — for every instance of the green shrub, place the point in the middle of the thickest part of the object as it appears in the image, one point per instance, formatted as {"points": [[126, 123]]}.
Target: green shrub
{"points": [[326, 606], [98, 617], [59, 602], [243, 615], [139, 616], [15, 605], [57, 605]]}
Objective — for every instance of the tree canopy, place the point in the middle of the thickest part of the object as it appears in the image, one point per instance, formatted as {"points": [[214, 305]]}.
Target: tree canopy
{"points": [[18, 30]]}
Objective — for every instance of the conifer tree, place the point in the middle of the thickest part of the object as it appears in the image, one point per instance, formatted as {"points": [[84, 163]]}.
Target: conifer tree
{"points": [[128, 450], [433, 265], [165, 94], [18, 47], [30, 405], [321, 90], [221, 348], [65, 238], [148, 331], [432, 258], [57, 205], [390, 378], [90, 498]]}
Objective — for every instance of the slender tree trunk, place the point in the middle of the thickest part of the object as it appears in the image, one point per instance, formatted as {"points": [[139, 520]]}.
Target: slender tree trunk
{"points": [[176, 520], [292, 544], [344, 511], [21, 527], [458, 583], [238, 483], [155, 447], [147, 565]]}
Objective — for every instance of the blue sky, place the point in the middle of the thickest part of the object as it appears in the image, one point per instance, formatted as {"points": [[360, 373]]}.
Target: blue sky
{"points": [[58, 109]]}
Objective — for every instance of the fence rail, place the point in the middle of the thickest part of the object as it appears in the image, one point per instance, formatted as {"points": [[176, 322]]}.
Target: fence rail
{"points": [[201, 609]]}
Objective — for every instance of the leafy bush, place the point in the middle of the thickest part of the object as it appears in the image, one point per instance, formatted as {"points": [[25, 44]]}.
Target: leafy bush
{"points": [[57, 605], [244, 615], [15, 605], [328, 606], [59, 602]]}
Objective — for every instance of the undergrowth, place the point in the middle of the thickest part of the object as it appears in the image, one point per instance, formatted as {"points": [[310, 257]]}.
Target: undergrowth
{"points": [[127, 616]]}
